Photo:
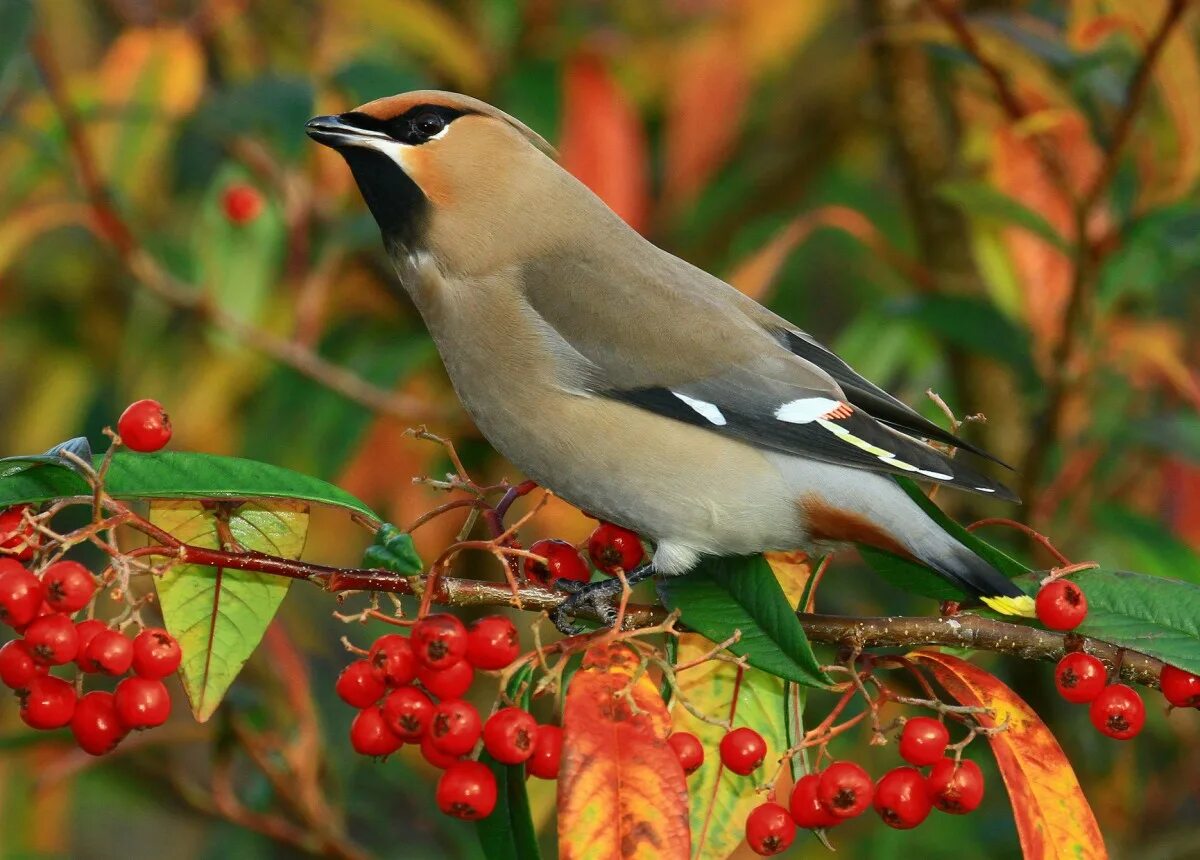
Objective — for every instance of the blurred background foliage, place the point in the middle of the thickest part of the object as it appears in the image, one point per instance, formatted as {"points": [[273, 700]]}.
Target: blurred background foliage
{"points": [[849, 163]]}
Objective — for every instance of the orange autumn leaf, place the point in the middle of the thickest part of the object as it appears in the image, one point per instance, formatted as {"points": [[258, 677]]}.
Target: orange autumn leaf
{"points": [[621, 791], [603, 143], [793, 569], [1054, 819]]}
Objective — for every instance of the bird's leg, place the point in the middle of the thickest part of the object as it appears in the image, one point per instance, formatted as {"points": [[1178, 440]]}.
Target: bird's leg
{"points": [[597, 596]]}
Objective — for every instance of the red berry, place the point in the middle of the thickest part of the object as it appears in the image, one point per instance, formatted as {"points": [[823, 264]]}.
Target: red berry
{"points": [[142, 703], [612, 547], [47, 703], [492, 642], [109, 652], [845, 789], [241, 203], [16, 535], [436, 757], [358, 685], [1118, 712], [144, 426], [20, 594], [508, 735], [52, 639], [371, 735], [769, 829], [68, 585], [743, 750], [467, 790], [156, 654], [1061, 605], [455, 727], [439, 641], [86, 631], [408, 712], [17, 666], [923, 740], [95, 724], [806, 808], [902, 798], [1080, 677], [451, 683], [688, 750], [563, 561], [1181, 688], [547, 753], [956, 787], [393, 659]]}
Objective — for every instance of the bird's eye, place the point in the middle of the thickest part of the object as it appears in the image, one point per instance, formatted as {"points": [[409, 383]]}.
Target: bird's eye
{"points": [[428, 124]]}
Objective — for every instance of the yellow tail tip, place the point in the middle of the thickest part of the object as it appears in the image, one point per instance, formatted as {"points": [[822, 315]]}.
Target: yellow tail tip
{"points": [[1022, 605]]}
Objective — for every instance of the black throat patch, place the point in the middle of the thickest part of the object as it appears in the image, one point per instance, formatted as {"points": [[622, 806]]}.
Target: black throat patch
{"points": [[399, 207]]}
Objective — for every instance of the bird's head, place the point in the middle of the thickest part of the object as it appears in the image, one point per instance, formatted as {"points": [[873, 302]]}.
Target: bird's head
{"points": [[447, 174]]}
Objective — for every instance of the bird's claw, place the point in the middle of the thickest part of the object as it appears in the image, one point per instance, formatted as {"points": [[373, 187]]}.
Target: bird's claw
{"points": [[595, 596]]}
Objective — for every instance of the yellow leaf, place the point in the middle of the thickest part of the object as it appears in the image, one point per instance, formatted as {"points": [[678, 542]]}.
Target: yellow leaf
{"points": [[1053, 817], [621, 792], [793, 570]]}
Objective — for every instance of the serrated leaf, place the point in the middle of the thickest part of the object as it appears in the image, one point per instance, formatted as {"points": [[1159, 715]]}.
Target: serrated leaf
{"points": [[393, 550], [741, 593], [219, 616], [508, 833], [721, 799], [176, 475]]}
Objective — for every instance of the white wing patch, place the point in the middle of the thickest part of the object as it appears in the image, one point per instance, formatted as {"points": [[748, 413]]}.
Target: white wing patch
{"points": [[708, 411], [806, 410], [986, 489]]}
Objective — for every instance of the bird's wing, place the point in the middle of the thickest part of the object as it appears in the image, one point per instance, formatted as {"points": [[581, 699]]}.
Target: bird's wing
{"points": [[687, 346]]}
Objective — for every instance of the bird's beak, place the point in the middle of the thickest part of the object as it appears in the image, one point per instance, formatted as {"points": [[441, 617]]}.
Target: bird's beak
{"points": [[333, 131]]}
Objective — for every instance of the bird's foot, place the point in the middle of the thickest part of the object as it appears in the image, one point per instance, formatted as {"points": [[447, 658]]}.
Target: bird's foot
{"points": [[596, 599]]}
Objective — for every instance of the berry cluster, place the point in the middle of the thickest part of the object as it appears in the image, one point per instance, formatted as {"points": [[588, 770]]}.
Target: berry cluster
{"points": [[410, 689], [41, 610], [609, 546]]}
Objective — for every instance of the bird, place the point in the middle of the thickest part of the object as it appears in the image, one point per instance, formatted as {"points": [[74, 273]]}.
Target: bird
{"points": [[630, 383]]}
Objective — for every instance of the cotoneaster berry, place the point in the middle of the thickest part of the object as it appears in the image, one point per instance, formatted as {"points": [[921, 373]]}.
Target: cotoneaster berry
{"points": [[17, 666], [451, 683], [492, 642], [547, 753], [47, 703], [845, 789], [467, 790], [241, 203], [86, 631], [563, 561], [902, 798], [956, 787], [806, 807], [923, 740], [688, 750], [144, 426], [612, 547], [1080, 677], [439, 641], [392, 657], [1180, 687], [359, 686], [1061, 605], [743, 750], [95, 724], [156, 654], [109, 652], [408, 712], [68, 586], [769, 829], [455, 727], [20, 594], [52, 639], [142, 703], [371, 735], [508, 735], [1118, 712], [16, 534], [436, 757]]}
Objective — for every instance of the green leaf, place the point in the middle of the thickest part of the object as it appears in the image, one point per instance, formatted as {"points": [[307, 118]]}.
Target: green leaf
{"points": [[982, 201], [219, 616], [393, 550], [741, 593], [171, 475], [508, 833]]}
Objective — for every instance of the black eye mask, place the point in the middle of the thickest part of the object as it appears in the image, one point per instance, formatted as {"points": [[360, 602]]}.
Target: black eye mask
{"points": [[415, 126]]}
